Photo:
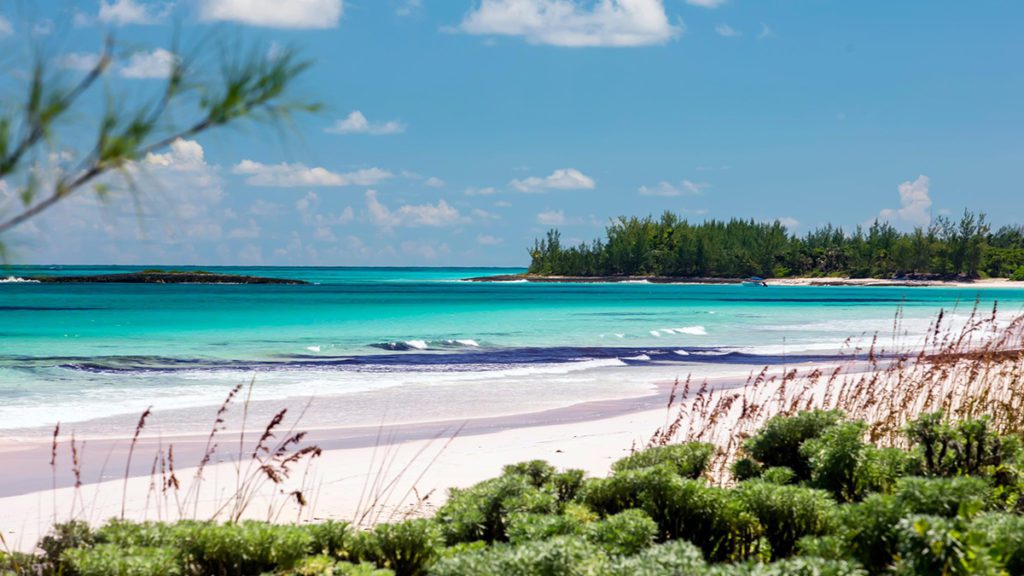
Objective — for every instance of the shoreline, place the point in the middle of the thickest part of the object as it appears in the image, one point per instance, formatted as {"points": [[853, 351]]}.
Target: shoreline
{"points": [[802, 281]]}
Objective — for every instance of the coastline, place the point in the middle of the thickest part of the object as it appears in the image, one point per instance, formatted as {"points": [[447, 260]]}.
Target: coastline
{"points": [[803, 281]]}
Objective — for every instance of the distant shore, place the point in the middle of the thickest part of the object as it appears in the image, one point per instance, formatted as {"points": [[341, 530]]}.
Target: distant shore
{"points": [[165, 277], [910, 282]]}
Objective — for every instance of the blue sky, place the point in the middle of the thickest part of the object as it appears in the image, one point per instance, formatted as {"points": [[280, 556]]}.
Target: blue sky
{"points": [[456, 131]]}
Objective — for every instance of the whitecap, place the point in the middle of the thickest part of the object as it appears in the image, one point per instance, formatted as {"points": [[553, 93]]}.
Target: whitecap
{"points": [[314, 348], [16, 280], [640, 358], [468, 342], [655, 333], [692, 330], [682, 352], [417, 344], [618, 335]]}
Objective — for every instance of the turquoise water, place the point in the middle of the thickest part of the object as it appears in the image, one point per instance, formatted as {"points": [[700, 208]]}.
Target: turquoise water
{"points": [[77, 352]]}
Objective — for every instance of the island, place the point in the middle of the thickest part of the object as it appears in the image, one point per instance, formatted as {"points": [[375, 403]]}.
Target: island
{"points": [[167, 277]]}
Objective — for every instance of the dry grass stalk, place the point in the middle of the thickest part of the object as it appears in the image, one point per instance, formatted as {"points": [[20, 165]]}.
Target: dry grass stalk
{"points": [[976, 369]]}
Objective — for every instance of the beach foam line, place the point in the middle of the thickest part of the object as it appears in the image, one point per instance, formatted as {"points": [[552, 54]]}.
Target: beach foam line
{"points": [[17, 280]]}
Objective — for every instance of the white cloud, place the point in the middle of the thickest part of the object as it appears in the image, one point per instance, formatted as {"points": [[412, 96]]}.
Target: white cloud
{"points": [[434, 182], [561, 179], [250, 231], [122, 12], [356, 123], [915, 203], [140, 65], [488, 240], [706, 3], [503, 204], [274, 13], [80, 61], [727, 31], [426, 249], [480, 191], [409, 7], [551, 218], [573, 23], [264, 208], [766, 32], [163, 208], [5, 27], [788, 221], [685, 188], [321, 220], [287, 175], [156, 64], [43, 27], [441, 214]]}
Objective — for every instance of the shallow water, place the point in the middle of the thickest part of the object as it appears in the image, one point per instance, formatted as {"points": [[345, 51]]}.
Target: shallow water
{"points": [[78, 352]]}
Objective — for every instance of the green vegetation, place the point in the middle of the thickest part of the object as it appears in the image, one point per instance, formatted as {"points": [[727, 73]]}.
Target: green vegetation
{"points": [[814, 499], [671, 246]]}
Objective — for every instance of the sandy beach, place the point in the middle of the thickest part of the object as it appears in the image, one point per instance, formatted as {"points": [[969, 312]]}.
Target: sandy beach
{"points": [[588, 436], [809, 281]]}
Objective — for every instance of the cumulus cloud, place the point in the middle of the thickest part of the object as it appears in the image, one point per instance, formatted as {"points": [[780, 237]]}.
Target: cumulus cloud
{"points": [[685, 188], [123, 12], [426, 249], [434, 182], [480, 191], [356, 123], [915, 203], [551, 218], [322, 221], [573, 23], [727, 31], [296, 14], [164, 208], [788, 221], [488, 240], [409, 7], [156, 64], [434, 215], [285, 175], [561, 179]]}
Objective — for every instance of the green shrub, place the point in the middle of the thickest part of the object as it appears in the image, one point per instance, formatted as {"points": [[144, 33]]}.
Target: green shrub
{"points": [[623, 534], [331, 538], [970, 447], [560, 556], [538, 472], [1004, 535], [712, 518], [566, 484], [948, 497], [802, 566], [880, 468], [112, 560], [65, 536], [525, 527], [323, 565], [673, 558], [747, 468], [869, 531], [689, 460], [937, 545], [244, 548], [778, 442], [408, 548], [144, 534], [787, 513], [482, 511], [1018, 274], [834, 459], [780, 475]]}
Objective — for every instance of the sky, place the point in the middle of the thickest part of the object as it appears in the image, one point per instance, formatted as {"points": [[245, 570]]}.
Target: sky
{"points": [[454, 132]]}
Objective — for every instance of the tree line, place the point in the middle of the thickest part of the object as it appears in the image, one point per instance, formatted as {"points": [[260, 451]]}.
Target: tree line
{"points": [[672, 246]]}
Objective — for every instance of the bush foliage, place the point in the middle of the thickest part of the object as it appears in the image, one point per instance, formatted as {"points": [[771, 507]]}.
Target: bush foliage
{"points": [[810, 497]]}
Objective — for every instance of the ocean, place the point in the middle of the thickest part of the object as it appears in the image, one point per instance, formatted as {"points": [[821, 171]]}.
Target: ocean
{"points": [[414, 343]]}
